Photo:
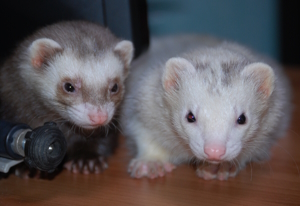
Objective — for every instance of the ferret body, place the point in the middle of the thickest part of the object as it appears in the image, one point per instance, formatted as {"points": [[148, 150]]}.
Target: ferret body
{"points": [[196, 99], [71, 73]]}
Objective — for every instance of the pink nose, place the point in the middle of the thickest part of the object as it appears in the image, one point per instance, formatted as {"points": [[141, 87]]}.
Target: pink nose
{"points": [[98, 119], [214, 152]]}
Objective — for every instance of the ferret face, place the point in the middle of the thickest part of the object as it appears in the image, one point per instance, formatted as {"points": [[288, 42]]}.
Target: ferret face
{"points": [[82, 90], [89, 90], [217, 116], [212, 120]]}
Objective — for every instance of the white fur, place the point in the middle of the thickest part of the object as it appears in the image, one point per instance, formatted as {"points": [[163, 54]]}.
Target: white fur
{"points": [[35, 47], [154, 118], [79, 113], [94, 73], [66, 73], [125, 48]]}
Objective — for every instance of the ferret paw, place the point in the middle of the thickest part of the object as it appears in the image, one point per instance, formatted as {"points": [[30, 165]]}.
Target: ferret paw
{"points": [[152, 169], [221, 171], [86, 165], [25, 172]]}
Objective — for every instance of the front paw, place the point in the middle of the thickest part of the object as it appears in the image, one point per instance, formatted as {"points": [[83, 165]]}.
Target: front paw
{"points": [[24, 172], [152, 169], [220, 171], [86, 165]]}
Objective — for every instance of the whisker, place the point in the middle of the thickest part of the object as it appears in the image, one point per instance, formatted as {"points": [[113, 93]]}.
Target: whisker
{"points": [[291, 157], [251, 170]]}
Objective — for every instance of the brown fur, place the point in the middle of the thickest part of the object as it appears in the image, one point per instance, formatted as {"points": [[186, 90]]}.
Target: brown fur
{"points": [[32, 84]]}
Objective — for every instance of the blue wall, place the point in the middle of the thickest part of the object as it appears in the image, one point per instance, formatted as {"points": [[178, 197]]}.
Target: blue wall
{"points": [[254, 23]]}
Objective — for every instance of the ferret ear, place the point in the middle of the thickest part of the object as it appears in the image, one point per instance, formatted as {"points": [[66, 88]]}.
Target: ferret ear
{"points": [[262, 75], [41, 49], [125, 50], [175, 68]]}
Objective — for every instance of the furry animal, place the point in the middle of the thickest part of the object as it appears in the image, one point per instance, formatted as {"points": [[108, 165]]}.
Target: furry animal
{"points": [[199, 99], [71, 73]]}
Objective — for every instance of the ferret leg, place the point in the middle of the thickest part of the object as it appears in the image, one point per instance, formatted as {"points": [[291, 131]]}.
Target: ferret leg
{"points": [[86, 165], [24, 172], [152, 160], [221, 171], [89, 156], [139, 167]]}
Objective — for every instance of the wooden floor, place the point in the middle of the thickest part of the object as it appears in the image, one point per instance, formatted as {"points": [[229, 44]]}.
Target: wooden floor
{"points": [[276, 182]]}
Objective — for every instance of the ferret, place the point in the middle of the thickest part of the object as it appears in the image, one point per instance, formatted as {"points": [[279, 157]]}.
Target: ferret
{"points": [[195, 99], [71, 73]]}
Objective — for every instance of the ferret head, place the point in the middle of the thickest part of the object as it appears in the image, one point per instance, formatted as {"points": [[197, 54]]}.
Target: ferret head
{"points": [[217, 105], [84, 89]]}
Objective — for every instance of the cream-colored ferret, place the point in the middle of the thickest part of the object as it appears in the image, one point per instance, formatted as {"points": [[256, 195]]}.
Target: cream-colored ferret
{"points": [[197, 99]]}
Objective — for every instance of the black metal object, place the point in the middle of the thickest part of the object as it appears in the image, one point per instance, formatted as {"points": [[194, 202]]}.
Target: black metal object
{"points": [[45, 147], [42, 148], [7, 129]]}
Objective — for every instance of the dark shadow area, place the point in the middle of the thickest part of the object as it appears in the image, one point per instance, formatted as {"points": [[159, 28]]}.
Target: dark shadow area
{"points": [[290, 32], [22, 18]]}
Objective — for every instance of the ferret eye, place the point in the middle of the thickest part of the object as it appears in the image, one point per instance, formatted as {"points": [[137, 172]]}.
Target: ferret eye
{"points": [[190, 117], [69, 87], [241, 119], [115, 88]]}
